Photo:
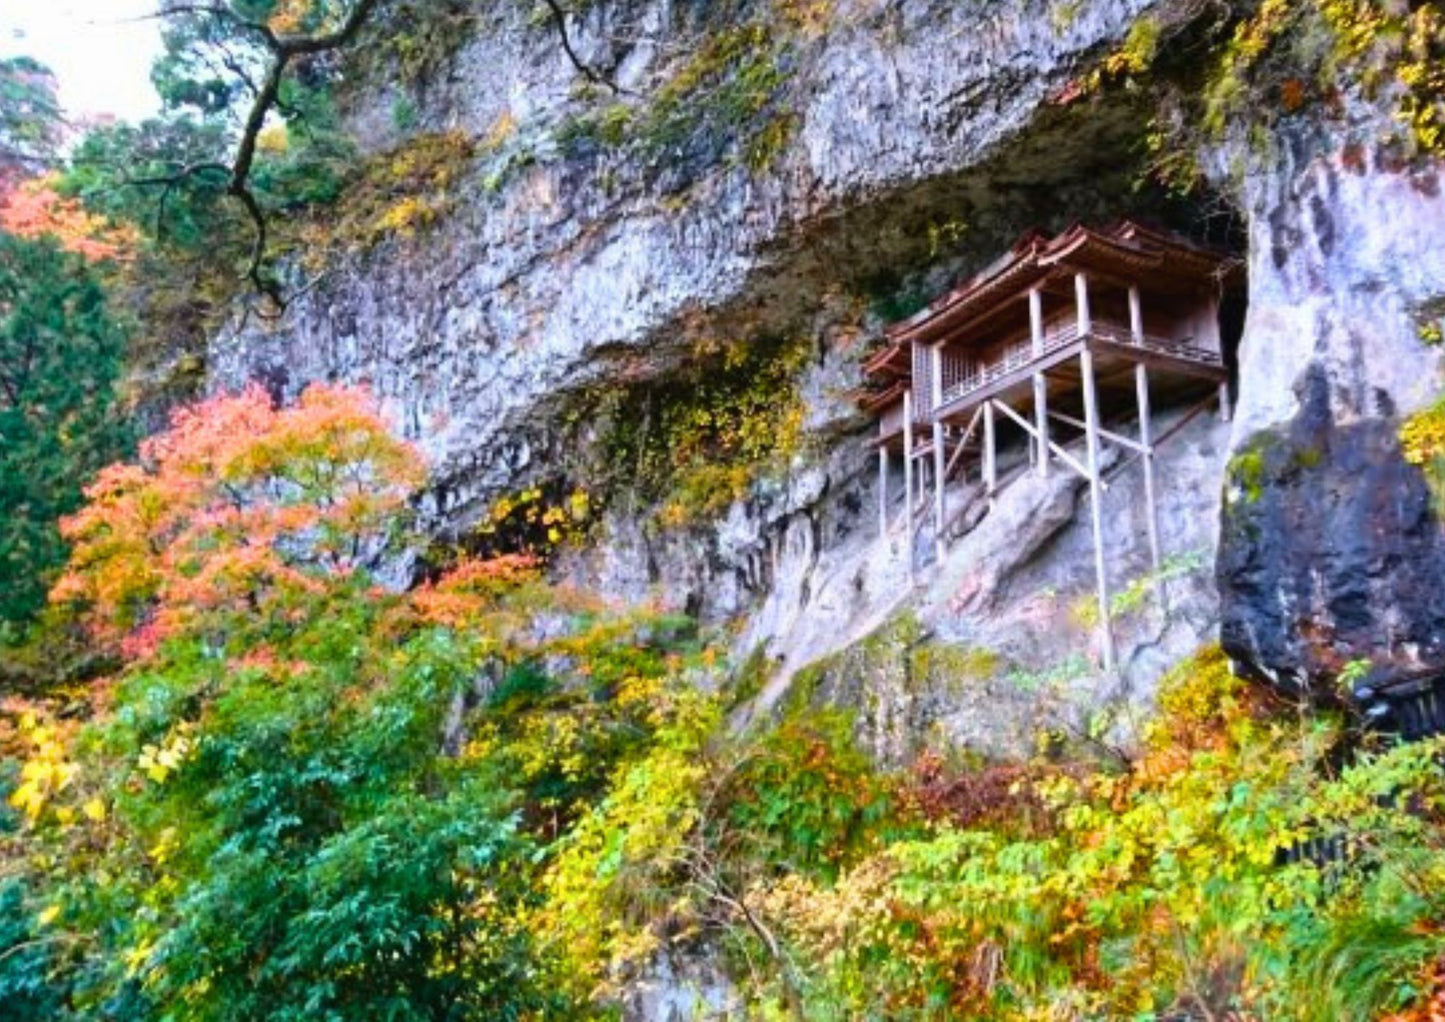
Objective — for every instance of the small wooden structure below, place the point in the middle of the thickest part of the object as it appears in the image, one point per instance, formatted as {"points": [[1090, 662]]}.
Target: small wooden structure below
{"points": [[1054, 334]]}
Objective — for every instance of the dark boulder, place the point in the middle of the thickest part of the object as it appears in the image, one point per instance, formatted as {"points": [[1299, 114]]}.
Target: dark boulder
{"points": [[1331, 551]]}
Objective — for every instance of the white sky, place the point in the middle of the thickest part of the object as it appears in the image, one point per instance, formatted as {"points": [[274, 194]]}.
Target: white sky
{"points": [[100, 50]]}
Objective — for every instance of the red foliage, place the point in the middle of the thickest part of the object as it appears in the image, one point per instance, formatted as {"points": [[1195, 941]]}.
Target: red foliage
{"points": [[239, 506], [470, 590], [33, 209], [992, 795]]}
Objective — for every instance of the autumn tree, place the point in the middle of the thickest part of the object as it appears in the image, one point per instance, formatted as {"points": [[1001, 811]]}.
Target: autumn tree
{"points": [[240, 506], [226, 844]]}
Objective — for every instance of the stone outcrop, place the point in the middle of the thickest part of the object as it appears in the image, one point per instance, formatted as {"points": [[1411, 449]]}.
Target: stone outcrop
{"points": [[559, 270], [562, 269], [1330, 549]]}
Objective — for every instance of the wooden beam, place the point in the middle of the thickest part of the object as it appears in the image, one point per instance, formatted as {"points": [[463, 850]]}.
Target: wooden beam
{"points": [[1163, 438], [1064, 456], [1159, 359], [1081, 301], [935, 356], [1041, 387], [1110, 435], [908, 480], [1136, 315], [938, 466], [1141, 388], [1091, 433], [990, 452], [883, 491], [963, 443]]}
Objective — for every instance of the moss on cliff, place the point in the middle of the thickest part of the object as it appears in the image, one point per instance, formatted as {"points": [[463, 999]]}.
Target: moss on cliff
{"points": [[695, 441]]}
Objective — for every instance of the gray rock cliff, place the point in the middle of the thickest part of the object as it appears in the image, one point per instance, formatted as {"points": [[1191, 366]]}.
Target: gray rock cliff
{"points": [[564, 269]]}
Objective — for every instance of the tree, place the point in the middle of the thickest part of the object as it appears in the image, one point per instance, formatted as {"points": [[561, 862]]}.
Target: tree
{"points": [[266, 826], [239, 509], [60, 359], [229, 68], [234, 74], [30, 120]]}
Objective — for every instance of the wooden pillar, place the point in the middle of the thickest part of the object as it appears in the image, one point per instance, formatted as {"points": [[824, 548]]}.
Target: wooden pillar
{"points": [[990, 452], [938, 465], [1146, 438], [908, 480], [1226, 414], [1136, 315], [1091, 433], [936, 383], [882, 490], [1081, 298], [1041, 388]]}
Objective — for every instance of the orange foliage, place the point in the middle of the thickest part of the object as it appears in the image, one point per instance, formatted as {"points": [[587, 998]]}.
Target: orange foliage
{"points": [[238, 506], [1431, 1007], [470, 590], [34, 209]]}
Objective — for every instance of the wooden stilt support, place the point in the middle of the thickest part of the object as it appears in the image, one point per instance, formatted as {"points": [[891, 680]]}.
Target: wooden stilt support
{"points": [[1091, 418], [938, 464], [1136, 315], [908, 481], [882, 490], [1226, 413], [1041, 387], [990, 452], [1081, 297], [1146, 432]]}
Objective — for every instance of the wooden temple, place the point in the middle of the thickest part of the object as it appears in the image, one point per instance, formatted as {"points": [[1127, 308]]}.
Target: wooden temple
{"points": [[1048, 340]]}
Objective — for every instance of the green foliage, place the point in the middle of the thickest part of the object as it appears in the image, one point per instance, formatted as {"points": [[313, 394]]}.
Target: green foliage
{"points": [[399, 193], [1246, 470], [724, 96], [803, 799], [725, 102], [222, 839], [60, 356], [1138, 591], [1266, 62], [1160, 888], [414, 40], [699, 440], [25, 991], [30, 119]]}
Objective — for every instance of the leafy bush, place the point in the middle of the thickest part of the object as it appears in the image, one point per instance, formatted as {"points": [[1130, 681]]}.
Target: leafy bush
{"points": [[1161, 886]]}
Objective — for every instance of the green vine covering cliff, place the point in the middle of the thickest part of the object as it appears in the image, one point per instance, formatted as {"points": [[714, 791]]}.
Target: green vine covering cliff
{"points": [[272, 749]]}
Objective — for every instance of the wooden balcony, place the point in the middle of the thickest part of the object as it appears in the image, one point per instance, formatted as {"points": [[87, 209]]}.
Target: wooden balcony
{"points": [[964, 386]]}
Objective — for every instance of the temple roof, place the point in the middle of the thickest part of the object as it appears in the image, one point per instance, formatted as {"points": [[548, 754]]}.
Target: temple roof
{"points": [[1125, 251], [873, 401]]}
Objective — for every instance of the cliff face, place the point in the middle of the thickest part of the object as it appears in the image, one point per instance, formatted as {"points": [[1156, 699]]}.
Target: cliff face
{"points": [[564, 266], [568, 267], [1331, 551]]}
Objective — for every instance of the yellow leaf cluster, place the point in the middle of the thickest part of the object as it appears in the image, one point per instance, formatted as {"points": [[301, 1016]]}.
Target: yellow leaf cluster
{"points": [[47, 769], [158, 762]]}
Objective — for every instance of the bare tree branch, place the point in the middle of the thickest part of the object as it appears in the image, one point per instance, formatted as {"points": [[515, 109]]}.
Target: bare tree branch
{"points": [[586, 70]]}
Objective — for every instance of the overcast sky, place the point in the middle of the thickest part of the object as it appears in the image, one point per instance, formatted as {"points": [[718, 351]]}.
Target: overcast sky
{"points": [[100, 50]]}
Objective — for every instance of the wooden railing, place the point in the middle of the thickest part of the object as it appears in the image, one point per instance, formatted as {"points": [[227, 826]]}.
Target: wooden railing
{"points": [[1018, 356]]}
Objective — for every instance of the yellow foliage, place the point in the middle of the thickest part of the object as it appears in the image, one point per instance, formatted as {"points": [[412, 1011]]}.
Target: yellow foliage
{"points": [[273, 139], [159, 761], [1422, 443], [1422, 436], [47, 770]]}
